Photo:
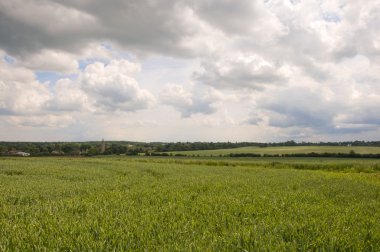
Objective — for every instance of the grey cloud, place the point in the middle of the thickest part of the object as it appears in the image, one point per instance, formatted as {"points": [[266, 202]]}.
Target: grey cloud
{"points": [[20, 36], [158, 26], [303, 48], [298, 107], [140, 25], [236, 74], [363, 114], [232, 17], [188, 103], [347, 51], [15, 33], [302, 108], [254, 120], [352, 129], [143, 26]]}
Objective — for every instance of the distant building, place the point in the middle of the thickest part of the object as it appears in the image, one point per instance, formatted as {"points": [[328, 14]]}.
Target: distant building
{"points": [[19, 153], [102, 147], [349, 145], [56, 152], [24, 154]]}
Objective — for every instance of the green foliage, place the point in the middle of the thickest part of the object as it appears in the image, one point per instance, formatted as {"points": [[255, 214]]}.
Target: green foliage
{"points": [[93, 151], [182, 204]]}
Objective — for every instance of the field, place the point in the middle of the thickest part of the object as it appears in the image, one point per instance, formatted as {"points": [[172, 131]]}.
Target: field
{"points": [[189, 204], [284, 150]]}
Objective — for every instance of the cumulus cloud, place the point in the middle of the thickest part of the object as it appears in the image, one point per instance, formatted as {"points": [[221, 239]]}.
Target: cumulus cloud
{"points": [[20, 92], [199, 100], [312, 110], [177, 96], [99, 88], [239, 71], [68, 96], [111, 86], [50, 60]]}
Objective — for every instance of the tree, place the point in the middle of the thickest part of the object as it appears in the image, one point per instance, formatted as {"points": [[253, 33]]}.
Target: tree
{"points": [[93, 151]]}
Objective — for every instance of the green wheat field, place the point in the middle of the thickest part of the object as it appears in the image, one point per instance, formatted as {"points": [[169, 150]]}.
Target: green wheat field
{"points": [[189, 204]]}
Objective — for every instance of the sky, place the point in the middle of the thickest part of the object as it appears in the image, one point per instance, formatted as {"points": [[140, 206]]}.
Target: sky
{"points": [[190, 70]]}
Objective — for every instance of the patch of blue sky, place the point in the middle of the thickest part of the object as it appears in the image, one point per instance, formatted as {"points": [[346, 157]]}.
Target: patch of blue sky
{"points": [[53, 77], [331, 17], [107, 45], [118, 53], [8, 59], [85, 62]]}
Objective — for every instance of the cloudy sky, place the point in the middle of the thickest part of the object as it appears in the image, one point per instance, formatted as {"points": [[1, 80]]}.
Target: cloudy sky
{"points": [[189, 70]]}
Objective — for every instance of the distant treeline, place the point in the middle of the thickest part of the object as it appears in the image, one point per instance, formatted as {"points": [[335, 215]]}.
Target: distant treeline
{"points": [[76, 148], [189, 146], [351, 154], [152, 148]]}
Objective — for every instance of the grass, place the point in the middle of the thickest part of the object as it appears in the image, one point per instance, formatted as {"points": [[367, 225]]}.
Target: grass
{"points": [[326, 164], [284, 150], [161, 204]]}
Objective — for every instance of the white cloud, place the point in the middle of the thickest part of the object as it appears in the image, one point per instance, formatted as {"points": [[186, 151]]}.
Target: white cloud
{"points": [[68, 96], [111, 87], [45, 121], [200, 99], [99, 87], [96, 51], [50, 60], [177, 96], [239, 71], [20, 92]]}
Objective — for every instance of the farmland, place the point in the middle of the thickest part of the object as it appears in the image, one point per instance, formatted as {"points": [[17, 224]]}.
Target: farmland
{"points": [[284, 150], [183, 204]]}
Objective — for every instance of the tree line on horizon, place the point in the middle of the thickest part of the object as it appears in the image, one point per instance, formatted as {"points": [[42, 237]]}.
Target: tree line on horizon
{"points": [[134, 148]]}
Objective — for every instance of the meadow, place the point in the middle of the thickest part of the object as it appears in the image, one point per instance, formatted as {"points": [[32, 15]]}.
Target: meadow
{"points": [[189, 204], [284, 150]]}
